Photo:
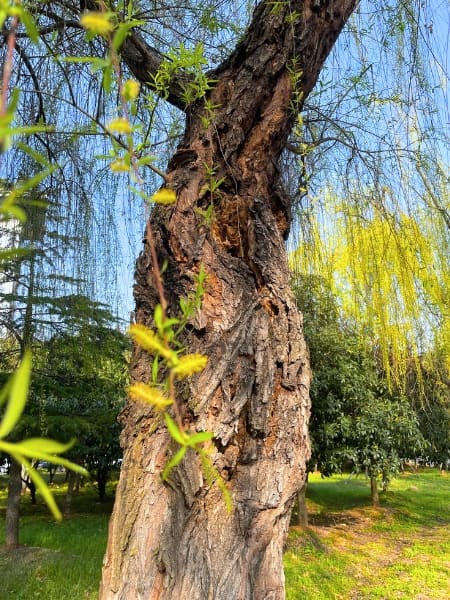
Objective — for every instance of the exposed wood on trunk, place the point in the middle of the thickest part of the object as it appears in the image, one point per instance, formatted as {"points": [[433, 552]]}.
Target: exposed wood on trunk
{"points": [[177, 540]]}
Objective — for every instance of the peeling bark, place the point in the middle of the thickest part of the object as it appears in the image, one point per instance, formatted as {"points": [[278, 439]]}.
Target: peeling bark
{"points": [[177, 540]]}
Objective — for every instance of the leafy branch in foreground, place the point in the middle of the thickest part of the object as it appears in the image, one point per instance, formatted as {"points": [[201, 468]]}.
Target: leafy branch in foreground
{"points": [[168, 366], [14, 394]]}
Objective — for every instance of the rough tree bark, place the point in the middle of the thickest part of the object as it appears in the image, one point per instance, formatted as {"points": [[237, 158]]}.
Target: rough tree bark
{"points": [[177, 540]]}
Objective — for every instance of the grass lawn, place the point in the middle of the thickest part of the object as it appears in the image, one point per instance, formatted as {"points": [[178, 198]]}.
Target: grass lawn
{"points": [[56, 561], [350, 551]]}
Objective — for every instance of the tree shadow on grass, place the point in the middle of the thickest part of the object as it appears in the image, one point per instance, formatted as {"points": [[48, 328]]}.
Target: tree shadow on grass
{"points": [[331, 519], [339, 494]]}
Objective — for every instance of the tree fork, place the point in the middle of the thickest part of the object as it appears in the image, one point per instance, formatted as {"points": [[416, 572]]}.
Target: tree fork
{"points": [[177, 540]]}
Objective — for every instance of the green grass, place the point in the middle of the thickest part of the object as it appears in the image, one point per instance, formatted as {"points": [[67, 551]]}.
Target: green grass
{"points": [[351, 551], [56, 561]]}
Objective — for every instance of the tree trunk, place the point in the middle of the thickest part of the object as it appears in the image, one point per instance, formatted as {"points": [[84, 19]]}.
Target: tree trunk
{"points": [[70, 478], [374, 491], [12, 520], [51, 473], [177, 540], [102, 480], [13, 505], [32, 487], [302, 514]]}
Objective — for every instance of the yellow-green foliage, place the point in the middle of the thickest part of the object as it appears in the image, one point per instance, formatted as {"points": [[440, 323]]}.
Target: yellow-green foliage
{"points": [[391, 275]]}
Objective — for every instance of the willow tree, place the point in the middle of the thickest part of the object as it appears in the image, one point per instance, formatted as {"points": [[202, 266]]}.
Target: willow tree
{"points": [[374, 211], [390, 272], [231, 219], [178, 540]]}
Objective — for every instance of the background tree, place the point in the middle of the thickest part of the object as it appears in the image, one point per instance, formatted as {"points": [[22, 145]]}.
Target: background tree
{"points": [[429, 391], [357, 424], [77, 389], [22, 283], [78, 386]]}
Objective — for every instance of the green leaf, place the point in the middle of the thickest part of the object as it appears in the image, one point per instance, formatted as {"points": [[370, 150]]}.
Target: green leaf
{"points": [[158, 318], [29, 184], [30, 26], [36, 446], [13, 211], [28, 129], [173, 462], [42, 487], [155, 369], [122, 31], [175, 433], [120, 36], [107, 78], [13, 102], [23, 450], [146, 160], [184, 307], [17, 397], [199, 438], [168, 323], [37, 156]]}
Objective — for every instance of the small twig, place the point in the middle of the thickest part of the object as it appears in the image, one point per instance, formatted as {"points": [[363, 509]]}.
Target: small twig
{"points": [[7, 67]]}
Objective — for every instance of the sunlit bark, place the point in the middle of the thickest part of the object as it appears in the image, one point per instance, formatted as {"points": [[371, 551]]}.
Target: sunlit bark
{"points": [[177, 540]]}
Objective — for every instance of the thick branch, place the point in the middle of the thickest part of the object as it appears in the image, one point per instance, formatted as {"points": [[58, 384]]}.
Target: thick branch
{"points": [[144, 62]]}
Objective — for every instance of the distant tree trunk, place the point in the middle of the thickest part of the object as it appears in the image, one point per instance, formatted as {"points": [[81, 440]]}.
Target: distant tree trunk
{"points": [[178, 541], [374, 491], [15, 474], [302, 514], [51, 472], [102, 480], [71, 478], [13, 505], [32, 488]]}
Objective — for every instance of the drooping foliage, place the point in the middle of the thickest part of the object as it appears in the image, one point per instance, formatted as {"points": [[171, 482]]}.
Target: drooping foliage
{"points": [[372, 126], [391, 276]]}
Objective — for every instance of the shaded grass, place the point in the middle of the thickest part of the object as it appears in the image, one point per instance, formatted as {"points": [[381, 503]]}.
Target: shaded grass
{"points": [[60, 560]]}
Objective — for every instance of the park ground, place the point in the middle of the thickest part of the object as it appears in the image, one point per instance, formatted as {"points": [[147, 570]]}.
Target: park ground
{"points": [[350, 551]]}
